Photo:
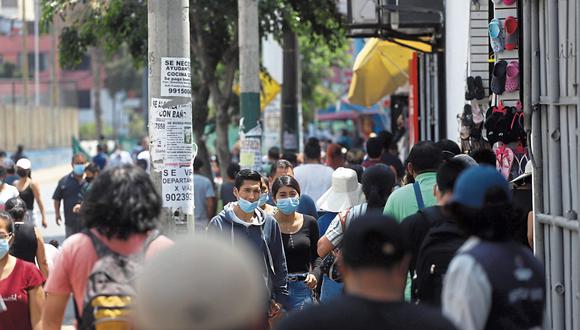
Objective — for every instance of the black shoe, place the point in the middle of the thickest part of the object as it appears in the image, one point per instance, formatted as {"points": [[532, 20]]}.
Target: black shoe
{"points": [[470, 93], [467, 118], [479, 91]]}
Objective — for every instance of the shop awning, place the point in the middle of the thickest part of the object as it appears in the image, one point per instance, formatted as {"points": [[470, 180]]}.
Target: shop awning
{"points": [[380, 68]]}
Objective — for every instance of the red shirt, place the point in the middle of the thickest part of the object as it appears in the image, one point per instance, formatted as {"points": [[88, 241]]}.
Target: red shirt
{"points": [[14, 292]]}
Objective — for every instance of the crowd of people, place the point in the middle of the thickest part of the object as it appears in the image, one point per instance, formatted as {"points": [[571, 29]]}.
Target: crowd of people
{"points": [[333, 238]]}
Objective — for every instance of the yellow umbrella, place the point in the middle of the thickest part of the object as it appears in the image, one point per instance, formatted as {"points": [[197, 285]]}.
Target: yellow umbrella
{"points": [[379, 69]]}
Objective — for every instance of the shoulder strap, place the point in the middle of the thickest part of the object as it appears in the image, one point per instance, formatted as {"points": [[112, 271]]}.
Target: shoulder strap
{"points": [[418, 195], [100, 247]]}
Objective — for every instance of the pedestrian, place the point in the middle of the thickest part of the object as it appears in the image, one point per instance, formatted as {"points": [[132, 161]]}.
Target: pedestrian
{"points": [[245, 221], [21, 293], [68, 191], [212, 285], [51, 251], [265, 198], [101, 158], [28, 243], [314, 177], [120, 156], [493, 282], [438, 224], [300, 236], [389, 154], [91, 173], [29, 192], [336, 156], [18, 154], [424, 159], [377, 183], [227, 187], [375, 258], [374, 148], [3, 158], [448, 148], [6, 191], [484, 156], [203, 197], [282, 168], [344, 140], [119, 213], [272, 157]]}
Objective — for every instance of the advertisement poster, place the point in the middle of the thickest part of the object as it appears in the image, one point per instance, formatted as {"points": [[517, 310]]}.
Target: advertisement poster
{"points": [[175, 76], [177, 188]]}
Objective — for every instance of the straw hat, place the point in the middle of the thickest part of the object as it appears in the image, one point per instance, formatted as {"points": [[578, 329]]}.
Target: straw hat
{"points": [[344, 192]]}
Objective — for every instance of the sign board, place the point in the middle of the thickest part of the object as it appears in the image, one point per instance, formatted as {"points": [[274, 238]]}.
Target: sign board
{"points": [[171, 133], [272, 115], [251, 149], [177, 188], [175, 76]]}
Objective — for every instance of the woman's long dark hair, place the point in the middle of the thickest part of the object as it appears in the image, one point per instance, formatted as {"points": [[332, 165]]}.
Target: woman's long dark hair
{"points": [[377, 184], [16, 207]]}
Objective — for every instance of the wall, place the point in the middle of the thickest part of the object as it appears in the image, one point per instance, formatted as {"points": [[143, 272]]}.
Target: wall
{"points": [[37, 128]]}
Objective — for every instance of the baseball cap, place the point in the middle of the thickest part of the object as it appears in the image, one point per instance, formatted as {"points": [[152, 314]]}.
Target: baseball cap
{"points": [[473, 184], [374, 240], [191, 284], [24, 164]]}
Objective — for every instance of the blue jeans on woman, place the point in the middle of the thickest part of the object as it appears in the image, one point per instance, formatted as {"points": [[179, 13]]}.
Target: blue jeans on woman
{"points": [[299, 295], [330, 289]]}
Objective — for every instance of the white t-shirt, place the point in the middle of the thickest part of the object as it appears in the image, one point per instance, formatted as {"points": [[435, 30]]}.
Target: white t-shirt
{"points": [[6, 193], [51, 254], [314, 179]]}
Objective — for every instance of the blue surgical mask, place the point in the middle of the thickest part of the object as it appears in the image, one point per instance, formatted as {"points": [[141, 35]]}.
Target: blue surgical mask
{"points": [[288, 205], [263, 199], [4, 247], [248, 207], [78, 169]]}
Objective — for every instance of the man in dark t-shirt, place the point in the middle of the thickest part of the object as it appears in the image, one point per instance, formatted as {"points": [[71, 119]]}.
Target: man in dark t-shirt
{"points": [[376, 259]]}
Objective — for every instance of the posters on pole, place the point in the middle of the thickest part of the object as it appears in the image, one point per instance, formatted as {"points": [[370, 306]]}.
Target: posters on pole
{"points": [[175, 76], [272, 125], [177, 188], [171, 134], [251, 149]]}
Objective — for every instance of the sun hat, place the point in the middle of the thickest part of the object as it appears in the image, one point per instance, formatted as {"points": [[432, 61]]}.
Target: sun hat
{"points": [[528, 172], [191, 284], [24, 164], [344, 192], [474, 183]]}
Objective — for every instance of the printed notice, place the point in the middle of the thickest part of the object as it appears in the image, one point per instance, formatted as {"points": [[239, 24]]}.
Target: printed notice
{"points": [[250, 153], [175, 76], [177, 188], [171, 133]]}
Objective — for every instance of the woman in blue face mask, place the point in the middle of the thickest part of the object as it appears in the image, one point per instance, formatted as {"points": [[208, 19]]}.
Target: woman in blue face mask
{"points": [[21, 293], [265, 196], [300, 236]]}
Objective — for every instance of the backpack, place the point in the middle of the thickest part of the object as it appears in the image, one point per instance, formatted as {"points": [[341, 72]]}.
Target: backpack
{"points": [[439, 247], [110, 287]]}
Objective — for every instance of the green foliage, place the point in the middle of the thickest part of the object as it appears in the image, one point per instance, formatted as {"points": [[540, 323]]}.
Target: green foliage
{"points": [[137, 127], [9, 70], [121, 75], [88, 131]]}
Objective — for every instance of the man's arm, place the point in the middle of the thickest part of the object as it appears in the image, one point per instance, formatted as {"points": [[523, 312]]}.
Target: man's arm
{"points": [[57, 211], [211, 204]]}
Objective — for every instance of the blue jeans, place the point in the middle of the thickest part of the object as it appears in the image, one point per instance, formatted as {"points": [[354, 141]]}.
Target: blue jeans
{"points": [[330, 289], [299, 295]]}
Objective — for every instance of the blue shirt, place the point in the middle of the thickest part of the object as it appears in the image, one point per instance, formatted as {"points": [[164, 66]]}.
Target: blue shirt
{"points": [[203, 189], [100, 160]]}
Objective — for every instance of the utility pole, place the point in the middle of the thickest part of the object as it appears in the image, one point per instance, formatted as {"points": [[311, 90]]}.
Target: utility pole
{"points": [[170, 117], [290, 92], [25, 69], [249, 41], [36, 53]]}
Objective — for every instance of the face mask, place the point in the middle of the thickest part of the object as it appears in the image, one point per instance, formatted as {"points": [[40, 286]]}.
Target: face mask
{"points": [[263, 200], [248, 207], [288, 205], [22, 173], [78, 169], [4, 247]]}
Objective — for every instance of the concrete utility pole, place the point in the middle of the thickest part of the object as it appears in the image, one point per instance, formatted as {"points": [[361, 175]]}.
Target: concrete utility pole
{"points": [[249, 41], [290, 93], [36, 53], [169, 102], [25, 72]]}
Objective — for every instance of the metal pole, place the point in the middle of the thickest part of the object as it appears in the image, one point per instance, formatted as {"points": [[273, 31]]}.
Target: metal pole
{"points": [[555, 179], [289, 118], [36, 54], [25, 68], [168, 37]]}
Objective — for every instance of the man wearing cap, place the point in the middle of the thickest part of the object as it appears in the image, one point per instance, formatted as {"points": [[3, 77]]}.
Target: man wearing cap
{"points": [[493, 282], [375, 262], [68, 190], [423, 161]]}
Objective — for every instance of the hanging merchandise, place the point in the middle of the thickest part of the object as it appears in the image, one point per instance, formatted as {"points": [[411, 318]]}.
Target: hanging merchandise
{"points": [[512, 82], [496, 36], [497, 124], [477, 114], [521, 158], [504, 158], [498, 77], [470, 93], [479, 90], [512, 33]]}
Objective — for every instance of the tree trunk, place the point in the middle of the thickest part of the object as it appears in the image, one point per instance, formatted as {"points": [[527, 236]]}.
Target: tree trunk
{"points": [[200, 113], [222, 128], [96, 62]]}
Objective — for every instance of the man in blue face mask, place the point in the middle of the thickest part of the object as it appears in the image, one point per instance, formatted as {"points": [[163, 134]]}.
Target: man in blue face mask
{"points": [[244, 220], [69, 190]]}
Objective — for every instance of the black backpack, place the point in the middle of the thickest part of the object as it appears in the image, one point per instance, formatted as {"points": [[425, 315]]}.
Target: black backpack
{"points": [[439, 247]]}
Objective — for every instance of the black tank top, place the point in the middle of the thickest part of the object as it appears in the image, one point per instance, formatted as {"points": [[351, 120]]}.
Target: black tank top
{"points": [[28, 197], [25, 243]]}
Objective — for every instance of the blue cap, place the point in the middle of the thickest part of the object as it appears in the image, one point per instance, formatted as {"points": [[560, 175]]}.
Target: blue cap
{"points": [[472, 185]]}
